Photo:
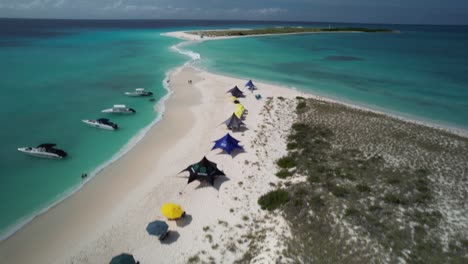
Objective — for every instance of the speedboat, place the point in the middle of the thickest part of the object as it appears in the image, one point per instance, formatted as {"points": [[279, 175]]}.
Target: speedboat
{"points": [[46, 150], [119, 109], [139, 92], [102, 123]]}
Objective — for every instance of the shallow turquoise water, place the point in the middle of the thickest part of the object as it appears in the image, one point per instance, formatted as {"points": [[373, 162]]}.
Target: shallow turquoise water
{"points": [[419, 73], [50, 85]]}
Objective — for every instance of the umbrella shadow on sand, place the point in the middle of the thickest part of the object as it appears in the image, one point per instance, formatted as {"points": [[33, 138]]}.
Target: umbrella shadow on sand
{"points": [[172, 237], [184, 221], [234, 153], [242, 129], [217, 183]]}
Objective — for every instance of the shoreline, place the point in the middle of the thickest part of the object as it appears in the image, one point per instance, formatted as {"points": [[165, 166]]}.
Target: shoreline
{"points": [[60, 208], [189, 38], [158, 107], [184, 35]]}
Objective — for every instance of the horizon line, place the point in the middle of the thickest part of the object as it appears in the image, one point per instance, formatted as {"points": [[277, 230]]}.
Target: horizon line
{"points": [[226, 20]]}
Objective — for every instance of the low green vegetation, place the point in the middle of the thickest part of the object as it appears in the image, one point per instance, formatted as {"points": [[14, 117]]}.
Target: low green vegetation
{"points": [[301, 106], [193, 259], [283, 174], [286, 162], [291, 145], [273, 199], [284, 30], [387, 204]]}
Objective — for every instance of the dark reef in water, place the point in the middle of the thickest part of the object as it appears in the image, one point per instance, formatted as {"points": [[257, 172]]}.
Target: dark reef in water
{"points": [[343, 58]]}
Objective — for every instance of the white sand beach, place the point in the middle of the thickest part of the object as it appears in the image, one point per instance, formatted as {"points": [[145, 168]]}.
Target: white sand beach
{"points": [[109, 215]]}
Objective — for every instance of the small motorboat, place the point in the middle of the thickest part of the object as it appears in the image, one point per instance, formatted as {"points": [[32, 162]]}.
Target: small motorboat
{"points": [[119, 109], [102, 123], [46, 150], [139, 92]]}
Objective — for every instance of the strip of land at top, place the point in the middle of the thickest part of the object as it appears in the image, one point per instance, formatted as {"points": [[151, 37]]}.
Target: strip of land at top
{"points": [[283, 30]]}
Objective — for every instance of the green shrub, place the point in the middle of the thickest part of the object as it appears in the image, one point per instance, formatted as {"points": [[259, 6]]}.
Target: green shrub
{"points": [[274, 199], [281, 98], [300, 98], [394, 180], [316, 201], [291, 146], [363, 188], [339, 191], [286, 162], [301, 105], [351, 211], [395, 199], [282, 174], [313, 178], [194, 259], [300, 127]]}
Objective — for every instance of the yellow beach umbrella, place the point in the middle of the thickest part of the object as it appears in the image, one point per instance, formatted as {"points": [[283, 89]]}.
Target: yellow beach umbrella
{"points": [[172, 211]]}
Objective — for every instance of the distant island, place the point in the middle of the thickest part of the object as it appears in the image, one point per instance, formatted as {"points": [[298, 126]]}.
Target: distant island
{"points": [[283, 30]]}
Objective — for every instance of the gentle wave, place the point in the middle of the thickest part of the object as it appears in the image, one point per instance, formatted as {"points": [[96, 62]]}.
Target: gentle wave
{"points": [[193, 55]]}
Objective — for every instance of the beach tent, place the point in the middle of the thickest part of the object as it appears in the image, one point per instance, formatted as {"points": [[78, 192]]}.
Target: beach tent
{"points": [[227, 143], [123, 258], [234, 122], [172, 211], [239, 110], [236, 92], [250, 86], [203, 170], [241, 106], [158, 228]]}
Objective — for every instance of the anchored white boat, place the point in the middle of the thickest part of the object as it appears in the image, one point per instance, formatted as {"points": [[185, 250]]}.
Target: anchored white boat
{"points": [[46, 150], [139, 92], [119, 109], [102, 123]]}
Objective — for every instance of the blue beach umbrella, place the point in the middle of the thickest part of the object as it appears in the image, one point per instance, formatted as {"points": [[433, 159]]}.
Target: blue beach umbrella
{"points": [[227, 143], [158, 228], [123, 258]]}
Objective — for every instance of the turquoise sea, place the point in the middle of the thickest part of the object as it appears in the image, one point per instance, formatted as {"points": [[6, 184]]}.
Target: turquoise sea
{"points": [[57, 72], [420, 73]]}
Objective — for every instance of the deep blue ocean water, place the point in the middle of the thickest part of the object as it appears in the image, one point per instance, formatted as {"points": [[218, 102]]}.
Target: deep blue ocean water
{"points": [[57, 72]]}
